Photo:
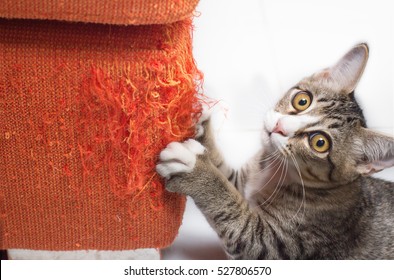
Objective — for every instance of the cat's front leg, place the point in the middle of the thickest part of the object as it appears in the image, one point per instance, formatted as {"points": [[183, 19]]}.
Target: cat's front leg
{"points": [[189, 171], [205, 135]]}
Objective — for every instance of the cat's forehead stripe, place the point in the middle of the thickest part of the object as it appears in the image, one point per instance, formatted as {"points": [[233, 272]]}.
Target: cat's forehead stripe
{"points": [[311, 125]]}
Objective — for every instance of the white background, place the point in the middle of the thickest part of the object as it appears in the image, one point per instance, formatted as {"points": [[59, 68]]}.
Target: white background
{"points": [[252, 51]]}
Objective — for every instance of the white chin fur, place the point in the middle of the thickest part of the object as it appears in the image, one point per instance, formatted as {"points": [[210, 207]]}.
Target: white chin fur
{"points": [[279, 141]]}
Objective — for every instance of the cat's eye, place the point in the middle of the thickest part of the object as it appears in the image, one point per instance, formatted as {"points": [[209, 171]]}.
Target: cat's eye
{"points": [[301, 101], [319, 142]]}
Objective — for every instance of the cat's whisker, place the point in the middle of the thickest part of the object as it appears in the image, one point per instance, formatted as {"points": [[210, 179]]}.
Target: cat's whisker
{"points": [[277, 166], [282, 163], [283, 151], [276, 163], [281, 181], [273, 163], [270, 156], [302, 185]]}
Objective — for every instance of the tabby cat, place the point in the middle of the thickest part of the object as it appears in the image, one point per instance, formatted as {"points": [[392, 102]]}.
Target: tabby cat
{"points": [[307, 194]]}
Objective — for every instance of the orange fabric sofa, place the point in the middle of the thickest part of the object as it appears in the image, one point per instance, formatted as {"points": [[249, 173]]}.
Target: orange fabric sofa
{"points": [[90, 92]]}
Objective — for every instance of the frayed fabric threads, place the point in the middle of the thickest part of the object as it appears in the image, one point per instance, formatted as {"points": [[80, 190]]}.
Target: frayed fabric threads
{"points": [[130, 121], [84, 112]]}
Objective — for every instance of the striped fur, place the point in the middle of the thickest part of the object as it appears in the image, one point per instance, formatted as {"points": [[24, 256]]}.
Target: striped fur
{"points": [[289, 201]]}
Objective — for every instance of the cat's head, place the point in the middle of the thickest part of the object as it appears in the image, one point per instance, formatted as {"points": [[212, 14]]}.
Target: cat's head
{"points": [[320, 124]]}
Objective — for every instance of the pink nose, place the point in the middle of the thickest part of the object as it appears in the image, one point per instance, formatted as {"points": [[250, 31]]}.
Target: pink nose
{"points": [[279, 129]]}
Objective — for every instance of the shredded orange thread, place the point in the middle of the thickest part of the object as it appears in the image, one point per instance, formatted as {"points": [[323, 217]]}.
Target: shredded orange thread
{"points": [[130, 121], [83, 121]]}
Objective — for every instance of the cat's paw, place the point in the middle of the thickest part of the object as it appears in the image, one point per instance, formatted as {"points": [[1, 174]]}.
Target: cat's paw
{"points": [[203, 120], [178, 158]]}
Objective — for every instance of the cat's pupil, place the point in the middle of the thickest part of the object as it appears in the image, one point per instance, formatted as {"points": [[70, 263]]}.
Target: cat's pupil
{"points": [[303, 102], [320, 143]]}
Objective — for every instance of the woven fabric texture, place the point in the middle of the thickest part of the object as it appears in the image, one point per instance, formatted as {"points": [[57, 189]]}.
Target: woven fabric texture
{"points": [[122, 12], [84, 111]]}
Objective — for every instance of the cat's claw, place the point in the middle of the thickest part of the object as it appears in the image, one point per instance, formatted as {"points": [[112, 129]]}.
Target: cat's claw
{"points": [[179, 158], [205, 116]]}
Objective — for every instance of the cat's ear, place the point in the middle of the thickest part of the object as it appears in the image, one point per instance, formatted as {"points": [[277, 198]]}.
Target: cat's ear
{"points": [[376, 152], [345, 74]]}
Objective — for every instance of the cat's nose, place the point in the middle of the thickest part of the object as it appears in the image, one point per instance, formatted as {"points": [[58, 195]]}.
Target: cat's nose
{"points": [[279, 129]]}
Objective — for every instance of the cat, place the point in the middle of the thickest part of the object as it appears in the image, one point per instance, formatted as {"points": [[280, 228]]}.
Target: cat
{"points": [[307, 194]]}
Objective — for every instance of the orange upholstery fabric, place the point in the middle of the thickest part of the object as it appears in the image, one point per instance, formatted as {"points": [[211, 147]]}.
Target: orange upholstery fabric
{"points": [[84, 111], [123, 12]]}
